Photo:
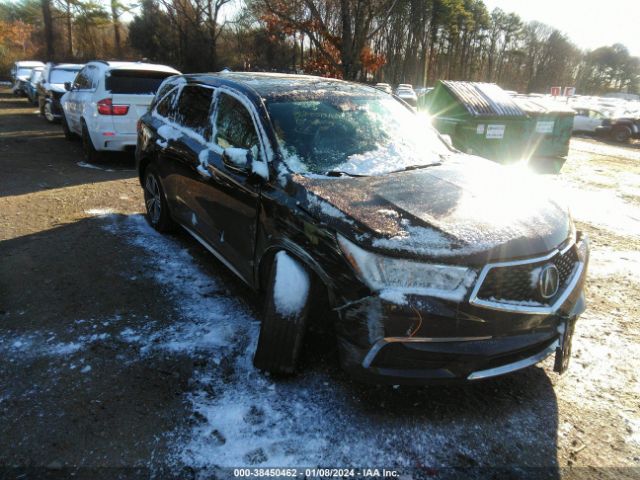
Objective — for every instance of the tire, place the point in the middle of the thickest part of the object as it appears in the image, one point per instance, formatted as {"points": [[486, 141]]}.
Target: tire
{"points": [[157, 209], [68, 134], [89, 152], [621, 134], [47, 112], [281, 335]]}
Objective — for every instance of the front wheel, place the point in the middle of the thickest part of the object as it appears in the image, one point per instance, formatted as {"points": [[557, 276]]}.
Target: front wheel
{"points": [[155, 202], [47, 111], [68, 134], [286, 309]]}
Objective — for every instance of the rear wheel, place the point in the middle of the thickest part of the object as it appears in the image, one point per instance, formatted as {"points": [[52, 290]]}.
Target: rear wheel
{"points": [[621, 134], [89, 151], [286, 309], [155, 202]]}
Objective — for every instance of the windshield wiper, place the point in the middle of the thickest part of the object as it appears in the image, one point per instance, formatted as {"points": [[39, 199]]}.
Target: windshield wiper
{"points": [[416, 167], [340, 173]]}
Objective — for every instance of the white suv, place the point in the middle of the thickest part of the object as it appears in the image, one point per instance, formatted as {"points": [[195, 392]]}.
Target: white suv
{"points": [[105, 101]]}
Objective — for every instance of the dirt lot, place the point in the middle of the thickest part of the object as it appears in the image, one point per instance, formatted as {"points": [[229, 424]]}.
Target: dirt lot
{"points": [[126, 353]]}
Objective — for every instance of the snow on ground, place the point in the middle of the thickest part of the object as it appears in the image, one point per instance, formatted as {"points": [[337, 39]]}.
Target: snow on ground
{"points": [[92, 166], [608, 263], [604, 149], [243, 417], [99, 212], [212, 320], [66, 348], [604, 208]]}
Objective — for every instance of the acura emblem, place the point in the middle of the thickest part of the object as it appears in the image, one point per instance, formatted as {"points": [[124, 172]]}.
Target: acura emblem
{"points": [[549, 281]]}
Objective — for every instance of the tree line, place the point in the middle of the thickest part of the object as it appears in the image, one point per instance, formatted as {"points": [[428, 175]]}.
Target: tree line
{"points": [[393, 41]]}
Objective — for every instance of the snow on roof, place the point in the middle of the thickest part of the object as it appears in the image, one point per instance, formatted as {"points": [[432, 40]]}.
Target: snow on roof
{"points": [[70, 66], [141, 66], [542, 105], [29, 63], [483, 99]]}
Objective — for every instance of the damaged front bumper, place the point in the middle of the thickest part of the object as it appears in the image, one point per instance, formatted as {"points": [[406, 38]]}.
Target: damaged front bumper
{"points": [[429, 340]]}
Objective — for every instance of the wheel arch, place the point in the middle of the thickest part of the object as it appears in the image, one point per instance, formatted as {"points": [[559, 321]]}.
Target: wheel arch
{"points": [[143, 162], [300, 254]]}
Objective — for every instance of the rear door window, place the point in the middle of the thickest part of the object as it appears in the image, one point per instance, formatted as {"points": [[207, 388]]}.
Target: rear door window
{"points": [[234, 125], [135, 82], [194, 106]]}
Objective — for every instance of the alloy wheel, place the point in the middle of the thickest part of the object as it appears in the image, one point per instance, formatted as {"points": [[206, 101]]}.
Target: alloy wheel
{"points": [[48, 114], [152, 199]]}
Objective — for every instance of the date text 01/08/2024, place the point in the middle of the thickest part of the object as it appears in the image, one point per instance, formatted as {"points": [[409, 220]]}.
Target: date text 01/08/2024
{"points": [[316, 472]]}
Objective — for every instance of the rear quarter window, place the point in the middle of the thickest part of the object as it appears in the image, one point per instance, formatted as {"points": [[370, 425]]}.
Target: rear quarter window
{"points": [[167, 106], [135, 82]]}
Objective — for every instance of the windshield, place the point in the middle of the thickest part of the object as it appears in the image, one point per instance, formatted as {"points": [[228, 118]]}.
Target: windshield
{"points": [[352, 134], [59, 75]]}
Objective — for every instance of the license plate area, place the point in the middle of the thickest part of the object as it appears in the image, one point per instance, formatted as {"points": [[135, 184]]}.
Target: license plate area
{"points": [[563, 352]]}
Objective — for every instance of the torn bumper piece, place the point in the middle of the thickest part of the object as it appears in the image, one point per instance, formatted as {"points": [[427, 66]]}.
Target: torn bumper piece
{"points": [[464, 351]]}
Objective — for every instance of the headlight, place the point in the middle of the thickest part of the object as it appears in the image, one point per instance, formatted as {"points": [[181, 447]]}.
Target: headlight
{"points": [[381, 273], [583, 247]]}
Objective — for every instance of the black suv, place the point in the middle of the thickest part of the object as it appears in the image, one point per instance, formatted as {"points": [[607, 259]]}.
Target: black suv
{"points": [[323, 193]]}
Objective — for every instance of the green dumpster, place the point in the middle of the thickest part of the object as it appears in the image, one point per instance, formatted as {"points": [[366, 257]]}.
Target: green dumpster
{"points": [[550, 126], [481, 119]]}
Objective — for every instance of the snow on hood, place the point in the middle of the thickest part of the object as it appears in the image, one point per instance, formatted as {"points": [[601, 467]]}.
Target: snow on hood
{"points": [[57, 87], [466, 206]]}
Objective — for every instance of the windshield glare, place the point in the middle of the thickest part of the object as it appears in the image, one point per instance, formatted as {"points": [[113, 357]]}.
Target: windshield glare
{"points": [[61, 76], [356, 135]]}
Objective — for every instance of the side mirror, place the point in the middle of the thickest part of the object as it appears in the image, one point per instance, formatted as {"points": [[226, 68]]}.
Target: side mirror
{"points": [[240, 159], [447, 139], [67, 86]]}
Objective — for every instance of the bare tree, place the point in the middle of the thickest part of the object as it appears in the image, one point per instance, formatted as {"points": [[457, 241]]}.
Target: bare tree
{"points": [[48, 28]]}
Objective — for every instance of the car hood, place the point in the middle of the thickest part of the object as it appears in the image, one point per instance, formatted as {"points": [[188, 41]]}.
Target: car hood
{"points": [[466, 207], [56, 87]]}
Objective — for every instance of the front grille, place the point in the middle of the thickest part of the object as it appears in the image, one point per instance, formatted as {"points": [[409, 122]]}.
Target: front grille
{"points": [[519, 283]]}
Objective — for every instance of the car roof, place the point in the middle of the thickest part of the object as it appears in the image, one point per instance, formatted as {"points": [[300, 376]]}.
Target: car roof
{"points": [[281, 85], [69, 66], [136, 66], [29, 63]]}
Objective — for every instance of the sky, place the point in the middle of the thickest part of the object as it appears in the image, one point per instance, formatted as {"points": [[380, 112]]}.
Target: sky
{"points": [[588, 23]]}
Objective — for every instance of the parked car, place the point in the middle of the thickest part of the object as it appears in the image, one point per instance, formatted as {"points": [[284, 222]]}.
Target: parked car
{"points": [[20, 72], [105, 101], [329, 196], [587, 120], [385, 87], [598, 122], [31, 87], [51, 88], [406, 93], [620, 129]]}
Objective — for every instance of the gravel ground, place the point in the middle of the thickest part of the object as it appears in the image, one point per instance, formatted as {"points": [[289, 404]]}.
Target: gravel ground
{"points": [[124, 353]]}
